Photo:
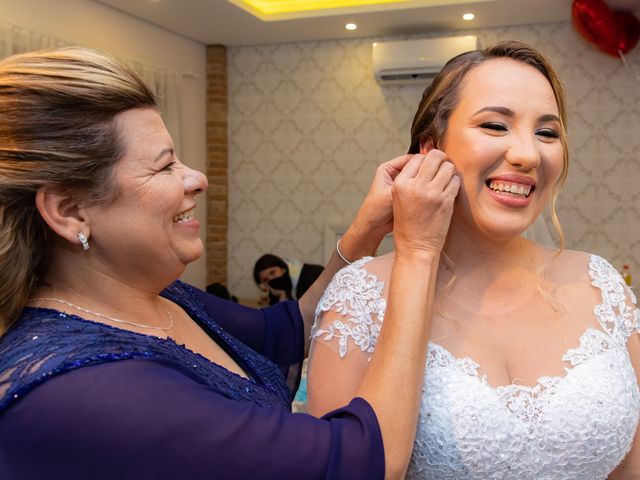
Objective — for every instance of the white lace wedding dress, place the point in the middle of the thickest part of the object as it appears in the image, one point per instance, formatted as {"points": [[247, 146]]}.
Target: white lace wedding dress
{"points": [[578, 426]]}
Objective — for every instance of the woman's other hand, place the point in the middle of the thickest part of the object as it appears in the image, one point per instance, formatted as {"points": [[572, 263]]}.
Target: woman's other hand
{"points": [[374, 218], [376, 211], [423, 195]]}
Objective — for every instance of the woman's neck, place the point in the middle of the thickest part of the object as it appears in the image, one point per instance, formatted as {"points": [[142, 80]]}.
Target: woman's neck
{"points": [[82, 281], [479, 259]]}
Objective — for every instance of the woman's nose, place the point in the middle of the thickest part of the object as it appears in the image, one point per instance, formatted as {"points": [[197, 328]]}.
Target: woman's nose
{"points": [[195, 181], [523, 152]]}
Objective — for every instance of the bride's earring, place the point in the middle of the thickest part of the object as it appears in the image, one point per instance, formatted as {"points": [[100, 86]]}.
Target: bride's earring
{"points": [[84, 241]]}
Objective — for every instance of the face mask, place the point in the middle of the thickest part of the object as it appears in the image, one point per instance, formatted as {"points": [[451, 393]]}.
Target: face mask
{"points": [[281, 283]]}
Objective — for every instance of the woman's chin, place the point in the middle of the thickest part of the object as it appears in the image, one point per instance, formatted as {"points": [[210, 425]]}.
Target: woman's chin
{"points": [[192, 253]]}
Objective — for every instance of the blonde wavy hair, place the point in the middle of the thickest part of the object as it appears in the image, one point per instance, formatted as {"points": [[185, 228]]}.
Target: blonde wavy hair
{"points": [[57, 110]]}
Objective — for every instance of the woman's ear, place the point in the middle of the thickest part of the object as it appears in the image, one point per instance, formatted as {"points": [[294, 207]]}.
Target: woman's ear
{"points": [[426, 145], [61, 210]]}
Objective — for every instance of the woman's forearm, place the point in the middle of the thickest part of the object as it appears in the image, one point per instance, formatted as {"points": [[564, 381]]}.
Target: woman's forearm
{"points": [[372, 222], [360, 240], [393, 381]]}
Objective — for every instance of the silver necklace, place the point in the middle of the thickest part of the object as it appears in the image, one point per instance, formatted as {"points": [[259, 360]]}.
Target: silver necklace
{"points": [[113, 319]]}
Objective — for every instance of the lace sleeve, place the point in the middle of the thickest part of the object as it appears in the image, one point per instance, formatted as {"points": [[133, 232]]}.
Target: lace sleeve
{"points": [[618, 313], [350, 313]]}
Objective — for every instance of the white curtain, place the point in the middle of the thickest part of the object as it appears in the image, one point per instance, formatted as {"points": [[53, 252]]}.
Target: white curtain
{"points": [[164, 82]]}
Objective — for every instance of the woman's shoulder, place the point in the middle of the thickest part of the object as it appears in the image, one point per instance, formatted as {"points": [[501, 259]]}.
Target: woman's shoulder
{"points": [[359, 284], [587, 273], [366, 277], [378, 267], [574, 266]]}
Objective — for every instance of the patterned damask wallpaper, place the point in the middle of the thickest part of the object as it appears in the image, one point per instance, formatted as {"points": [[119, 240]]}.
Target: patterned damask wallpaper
{"points": [[308, 124]]}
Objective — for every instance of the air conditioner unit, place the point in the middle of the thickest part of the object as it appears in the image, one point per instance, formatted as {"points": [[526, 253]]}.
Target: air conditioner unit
{"points": [[417, 61]]}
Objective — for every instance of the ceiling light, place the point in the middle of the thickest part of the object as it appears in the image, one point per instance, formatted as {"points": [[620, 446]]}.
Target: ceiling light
{"points": [[272, 7], [275, 10], [350, 26], [468, 16]]}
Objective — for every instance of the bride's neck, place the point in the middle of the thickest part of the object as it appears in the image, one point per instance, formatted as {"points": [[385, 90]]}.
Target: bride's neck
{"points": [[478, 256]]}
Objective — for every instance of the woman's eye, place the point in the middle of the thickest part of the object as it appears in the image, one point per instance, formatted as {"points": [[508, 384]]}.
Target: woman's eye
{"points": [[497, 127], [168, 167], [548, 133]]}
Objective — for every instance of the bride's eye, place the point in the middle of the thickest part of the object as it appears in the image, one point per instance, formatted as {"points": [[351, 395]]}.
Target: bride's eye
{"points": [[496, 127], [548, 133]]}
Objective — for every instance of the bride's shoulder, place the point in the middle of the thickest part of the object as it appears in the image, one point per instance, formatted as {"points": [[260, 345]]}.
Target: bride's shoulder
{"points": [[378, 267], [575, 266]]}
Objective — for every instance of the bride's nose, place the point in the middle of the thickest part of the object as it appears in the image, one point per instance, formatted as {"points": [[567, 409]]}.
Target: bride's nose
{"points": [[522, 152]]}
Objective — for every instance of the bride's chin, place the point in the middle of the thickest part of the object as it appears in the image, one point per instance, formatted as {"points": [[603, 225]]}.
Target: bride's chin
{"points": [[503, 232]]}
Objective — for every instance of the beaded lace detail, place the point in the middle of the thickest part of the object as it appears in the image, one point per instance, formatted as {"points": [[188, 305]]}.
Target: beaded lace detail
{"points": [[577, 426], [357, 294], [45, 342]]}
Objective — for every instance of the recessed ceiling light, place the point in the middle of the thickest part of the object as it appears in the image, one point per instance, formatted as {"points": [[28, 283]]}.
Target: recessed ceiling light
{"points": [[350, 26], [468, 16]]}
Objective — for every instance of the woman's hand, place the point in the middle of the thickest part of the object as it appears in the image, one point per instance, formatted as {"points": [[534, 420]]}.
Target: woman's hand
{"points": [[372, 222], [374, 218], [423, 196], [376, 211]]}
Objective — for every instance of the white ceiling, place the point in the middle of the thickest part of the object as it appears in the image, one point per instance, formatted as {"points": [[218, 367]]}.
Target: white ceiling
{"points": [[221, 22]]}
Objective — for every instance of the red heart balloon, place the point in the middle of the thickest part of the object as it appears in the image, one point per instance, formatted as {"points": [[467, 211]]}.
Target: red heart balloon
{"points": [[630, 27], [596, 23], [610, 31]]}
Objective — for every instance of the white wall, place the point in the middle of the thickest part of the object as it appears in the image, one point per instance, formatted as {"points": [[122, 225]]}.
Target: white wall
{"points": [[91, 24]]}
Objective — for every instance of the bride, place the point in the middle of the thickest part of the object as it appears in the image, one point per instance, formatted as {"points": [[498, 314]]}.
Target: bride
{"points": [[534, 353]]}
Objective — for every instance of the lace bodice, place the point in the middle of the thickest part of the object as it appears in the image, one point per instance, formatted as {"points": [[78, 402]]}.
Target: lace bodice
{"points": [[577, 426]]}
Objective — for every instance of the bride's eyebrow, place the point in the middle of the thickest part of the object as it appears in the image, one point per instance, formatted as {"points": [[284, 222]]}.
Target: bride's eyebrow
{"points": [[501, 110], [547, 117]]}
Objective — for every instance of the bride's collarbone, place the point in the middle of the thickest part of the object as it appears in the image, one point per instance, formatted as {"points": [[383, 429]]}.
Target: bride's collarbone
{"points": [[511, 352]]}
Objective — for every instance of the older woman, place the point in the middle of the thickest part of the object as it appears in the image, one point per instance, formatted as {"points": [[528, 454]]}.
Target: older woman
{"points": [[532, 370], [109, 367]]}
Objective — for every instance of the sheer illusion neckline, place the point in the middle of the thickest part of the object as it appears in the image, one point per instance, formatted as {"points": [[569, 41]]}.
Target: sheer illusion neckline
{"points": [[469, 367], [593, 342], [357, 294]]}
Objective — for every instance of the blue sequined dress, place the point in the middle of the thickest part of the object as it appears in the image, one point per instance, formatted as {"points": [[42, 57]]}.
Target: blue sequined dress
{"points": [[80, 399]]}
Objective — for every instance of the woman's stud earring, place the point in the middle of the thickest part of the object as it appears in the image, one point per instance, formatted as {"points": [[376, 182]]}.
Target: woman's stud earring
{"points": [[84, 241]]}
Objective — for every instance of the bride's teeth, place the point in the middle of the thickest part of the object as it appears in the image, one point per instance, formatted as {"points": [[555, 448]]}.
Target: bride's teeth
{"points": [[516, 189]]}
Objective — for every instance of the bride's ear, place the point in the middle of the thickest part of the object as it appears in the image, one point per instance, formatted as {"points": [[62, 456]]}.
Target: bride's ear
{"points": [[63, 213], [426, 145]]}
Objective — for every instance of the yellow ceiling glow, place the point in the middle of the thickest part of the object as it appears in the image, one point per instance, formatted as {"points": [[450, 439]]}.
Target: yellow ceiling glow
{"points": [[275, 7], [272, 10]]}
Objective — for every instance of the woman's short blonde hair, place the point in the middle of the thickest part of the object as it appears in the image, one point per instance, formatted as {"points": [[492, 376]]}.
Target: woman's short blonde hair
{"points": [[57, 110]]}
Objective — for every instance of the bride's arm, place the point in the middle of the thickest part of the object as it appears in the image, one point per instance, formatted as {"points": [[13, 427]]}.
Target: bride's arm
{"points": [[345, 333], [372, 222]]}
